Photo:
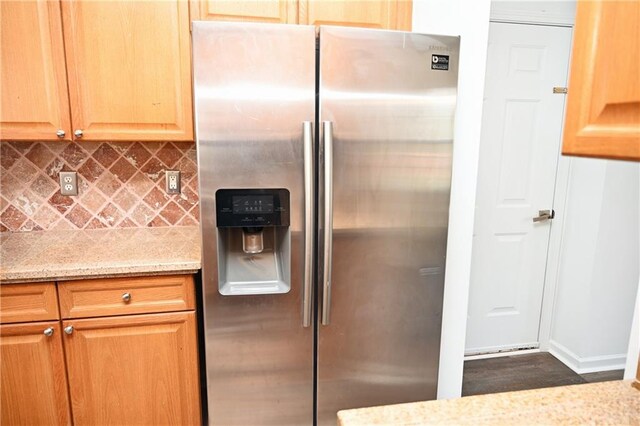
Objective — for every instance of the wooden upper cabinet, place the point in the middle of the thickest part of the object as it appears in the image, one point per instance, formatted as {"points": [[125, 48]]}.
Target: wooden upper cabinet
{"points": [[385, 14], [603, 105], [33, 386], [274, 11], [129, 69], [33, 81]]}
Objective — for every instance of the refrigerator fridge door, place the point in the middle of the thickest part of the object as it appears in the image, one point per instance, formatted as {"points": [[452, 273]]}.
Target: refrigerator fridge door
{"points": [[387, 102], [254, 89]]}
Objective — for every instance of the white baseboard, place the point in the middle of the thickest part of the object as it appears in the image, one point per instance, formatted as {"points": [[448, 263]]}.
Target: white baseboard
{"points": [[586, 364], [501, 354]]}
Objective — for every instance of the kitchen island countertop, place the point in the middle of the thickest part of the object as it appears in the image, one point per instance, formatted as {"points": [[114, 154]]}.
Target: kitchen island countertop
{"points": [[98, 253], [614, 402]]}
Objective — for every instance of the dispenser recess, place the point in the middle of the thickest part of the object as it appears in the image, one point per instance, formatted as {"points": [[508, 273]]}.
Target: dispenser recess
{"points": [[254, 241]]}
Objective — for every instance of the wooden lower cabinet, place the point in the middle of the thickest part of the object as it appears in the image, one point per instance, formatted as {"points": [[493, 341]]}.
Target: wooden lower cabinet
{"points": [[33, 386], [137, 369]]}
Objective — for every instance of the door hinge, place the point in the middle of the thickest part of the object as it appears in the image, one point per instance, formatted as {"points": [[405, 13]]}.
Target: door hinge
{"points": [[562, 90]]}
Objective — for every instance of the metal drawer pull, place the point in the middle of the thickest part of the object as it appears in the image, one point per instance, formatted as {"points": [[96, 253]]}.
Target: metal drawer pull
{"points": [[126, 298], [68, 329], [48, 331]]}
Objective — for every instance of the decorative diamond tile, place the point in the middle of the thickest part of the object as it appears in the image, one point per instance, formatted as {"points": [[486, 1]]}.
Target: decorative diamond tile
{"points": [[123, 170], [74, 155], [137, 155], [91, 170], [78, 216], [12, 218], [39, 155], [120, 185], [24, 170], [8, 156], [105, 155], [43, 186], [169, 155]]}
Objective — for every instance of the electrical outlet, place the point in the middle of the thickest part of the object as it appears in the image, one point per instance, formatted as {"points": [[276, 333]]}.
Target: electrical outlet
{"points": [[173, 181], [68, 183]]}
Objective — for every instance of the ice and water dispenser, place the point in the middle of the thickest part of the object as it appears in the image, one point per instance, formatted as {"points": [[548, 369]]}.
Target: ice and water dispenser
{"points": [[254, 241]]}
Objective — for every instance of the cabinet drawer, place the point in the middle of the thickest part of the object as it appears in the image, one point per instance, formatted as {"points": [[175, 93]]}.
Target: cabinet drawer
{"points": [[121, 296], [28, 302]]}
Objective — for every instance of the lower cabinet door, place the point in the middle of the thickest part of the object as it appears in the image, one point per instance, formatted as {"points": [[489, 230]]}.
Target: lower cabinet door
{"points": [[33, 386], [137, 369]]}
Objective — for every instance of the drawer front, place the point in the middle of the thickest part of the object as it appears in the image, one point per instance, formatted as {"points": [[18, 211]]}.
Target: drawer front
{"points": [[28, 302], [122, 296]]}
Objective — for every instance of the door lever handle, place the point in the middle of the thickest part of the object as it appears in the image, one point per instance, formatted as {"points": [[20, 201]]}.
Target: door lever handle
{"points": [[544, 215]]}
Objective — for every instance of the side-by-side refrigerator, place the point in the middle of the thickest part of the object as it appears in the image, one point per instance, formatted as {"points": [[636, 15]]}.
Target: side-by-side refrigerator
{"points": [[325, 169]]}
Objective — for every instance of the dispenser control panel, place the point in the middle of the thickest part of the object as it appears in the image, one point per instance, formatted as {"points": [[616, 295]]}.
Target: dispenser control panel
{"points": [[252, 207]]}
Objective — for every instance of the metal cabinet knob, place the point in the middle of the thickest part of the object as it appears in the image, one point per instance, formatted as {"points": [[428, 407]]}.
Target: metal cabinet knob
{"points": [[68, 329], [126, 297], [48, 331], [78, 133], [60, 133]]}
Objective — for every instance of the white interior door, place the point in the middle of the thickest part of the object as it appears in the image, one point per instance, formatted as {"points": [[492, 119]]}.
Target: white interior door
{"points": [[520, 145]]}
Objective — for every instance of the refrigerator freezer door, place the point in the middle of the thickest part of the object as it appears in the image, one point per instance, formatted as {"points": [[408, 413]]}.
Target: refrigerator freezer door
{"points": [[390, 97], [254, 89]]}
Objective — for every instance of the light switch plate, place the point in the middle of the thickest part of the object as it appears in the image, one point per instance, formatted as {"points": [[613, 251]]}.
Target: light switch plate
{"points": [[173, 182], [68, 183]]}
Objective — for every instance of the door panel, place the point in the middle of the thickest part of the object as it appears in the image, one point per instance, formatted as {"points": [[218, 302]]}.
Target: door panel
{"points": [[33, 388], [382, 14], [254, 88], [136, 369], [134, 87], [275, 11], [392, 121], [521, 134], [35, 101]]}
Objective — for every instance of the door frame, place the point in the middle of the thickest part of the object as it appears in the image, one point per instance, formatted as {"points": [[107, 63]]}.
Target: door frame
{"points": [[554, 248]]}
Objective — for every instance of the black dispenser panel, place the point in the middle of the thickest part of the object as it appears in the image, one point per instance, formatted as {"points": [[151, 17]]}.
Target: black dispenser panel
{"points": [[252, 207]]}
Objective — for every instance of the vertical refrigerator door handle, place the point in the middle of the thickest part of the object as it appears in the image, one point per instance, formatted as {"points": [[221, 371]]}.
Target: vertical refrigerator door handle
{"points": [[327, 134], [307, 132]]}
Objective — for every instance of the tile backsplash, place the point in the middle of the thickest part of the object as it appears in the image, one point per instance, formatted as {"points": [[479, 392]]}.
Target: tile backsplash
{"points": [[120, 185]]}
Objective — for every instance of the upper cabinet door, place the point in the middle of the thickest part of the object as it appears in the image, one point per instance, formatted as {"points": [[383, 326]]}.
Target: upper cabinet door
{"points": [[385, 14], [129, 69], [275, 11], [35, 102], [603, 106]]}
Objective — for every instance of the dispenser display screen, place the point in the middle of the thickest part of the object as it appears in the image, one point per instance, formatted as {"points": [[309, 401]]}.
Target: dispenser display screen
{"points": [[252, 204]]}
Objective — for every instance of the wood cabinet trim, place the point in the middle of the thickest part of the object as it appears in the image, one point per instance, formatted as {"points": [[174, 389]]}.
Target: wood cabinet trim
{"points": [[103, 297], [596, 125], [37, 392], [28, 302]]}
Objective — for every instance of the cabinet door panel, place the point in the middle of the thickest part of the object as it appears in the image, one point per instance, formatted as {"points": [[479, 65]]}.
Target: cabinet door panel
{"points": [[138, 369], [28, 302], [603, 105], [386, 14], [35, 101], [129, 69], [34, 385], [276, 11]]}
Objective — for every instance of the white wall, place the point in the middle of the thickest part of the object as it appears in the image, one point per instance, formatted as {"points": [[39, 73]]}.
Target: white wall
{"points": [[597, 266], [470, 20]]}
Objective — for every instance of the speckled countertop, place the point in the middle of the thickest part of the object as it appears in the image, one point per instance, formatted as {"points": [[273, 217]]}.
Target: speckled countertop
{"points": [[611, 403], [98, 253]]}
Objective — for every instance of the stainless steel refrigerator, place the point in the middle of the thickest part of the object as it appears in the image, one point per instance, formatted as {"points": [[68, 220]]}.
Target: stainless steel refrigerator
{"points": [[325, 168]]}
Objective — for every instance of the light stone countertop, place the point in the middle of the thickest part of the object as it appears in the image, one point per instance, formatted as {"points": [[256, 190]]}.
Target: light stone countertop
{"points": [[98, 253], [611, 403]]}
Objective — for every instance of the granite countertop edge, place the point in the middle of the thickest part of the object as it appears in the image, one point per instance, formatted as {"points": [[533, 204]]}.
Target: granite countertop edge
{"points": [[106, 253]]}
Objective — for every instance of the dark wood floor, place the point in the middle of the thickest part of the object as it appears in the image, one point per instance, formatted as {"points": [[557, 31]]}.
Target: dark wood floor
{"points": [[520, 372]]}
